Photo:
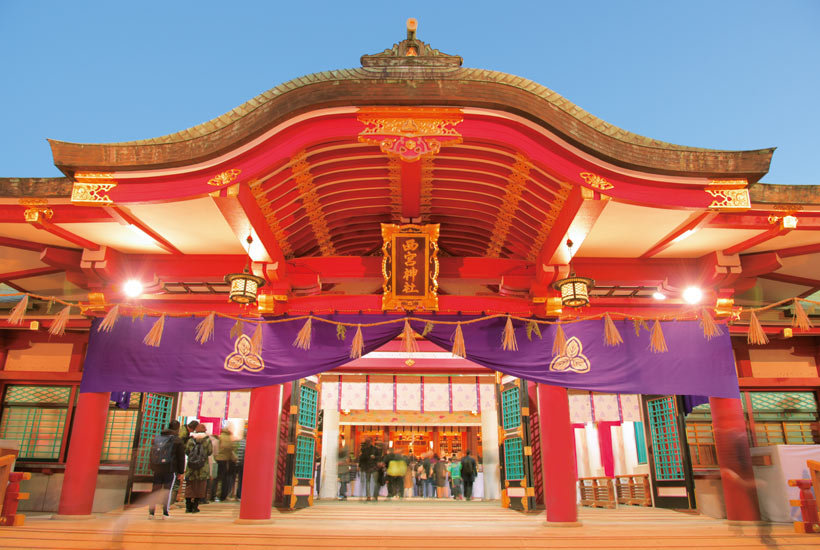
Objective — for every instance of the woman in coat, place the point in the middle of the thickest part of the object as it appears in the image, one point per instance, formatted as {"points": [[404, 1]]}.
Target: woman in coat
{"points": [[196, 478]]}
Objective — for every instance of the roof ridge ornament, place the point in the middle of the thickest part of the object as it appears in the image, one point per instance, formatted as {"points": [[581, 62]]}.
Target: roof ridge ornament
{"points": [[412, 52]]}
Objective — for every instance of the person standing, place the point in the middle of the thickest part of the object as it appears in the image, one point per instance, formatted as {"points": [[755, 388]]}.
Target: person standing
{"points": [[167, 461], [469, 470], [225, 468], [343, 471], [369, 458], [454, 467], [198, 471], [440, 475], [240, 466]]}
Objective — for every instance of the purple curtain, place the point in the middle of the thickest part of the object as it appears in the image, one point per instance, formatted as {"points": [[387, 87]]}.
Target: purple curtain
{"points": [[119, 361]]}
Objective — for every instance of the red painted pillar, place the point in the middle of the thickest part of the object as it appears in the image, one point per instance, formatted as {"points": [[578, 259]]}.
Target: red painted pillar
{"points": [[260, 455], [734, 459], [557, 445], [88, 429]]}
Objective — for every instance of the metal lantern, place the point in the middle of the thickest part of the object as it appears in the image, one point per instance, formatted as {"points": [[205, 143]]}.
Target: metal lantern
{"points": [[574, 290], [244, 286]]}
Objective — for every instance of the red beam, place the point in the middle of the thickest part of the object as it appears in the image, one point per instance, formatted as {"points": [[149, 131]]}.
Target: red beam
{"points": [[791, 279], [797, 250], [411, 189], [123, 216], [552, 250], [240, 210], [420, 366], [22, 245], [682, 232], [755, 265], [775, 231], [46, 225], [26, 273]]}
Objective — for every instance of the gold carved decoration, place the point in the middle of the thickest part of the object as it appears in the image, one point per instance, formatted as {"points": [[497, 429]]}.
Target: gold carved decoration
{"points": [[243, 357], [596, 181], [426, 187], [394, 186], [91, 188], [785, 214], [410, 133], [270, 217], [548, 223], [573, 359], [37, 210], [729, 199], [516, 184], [410, 267], [300, 168], [225, 177]]}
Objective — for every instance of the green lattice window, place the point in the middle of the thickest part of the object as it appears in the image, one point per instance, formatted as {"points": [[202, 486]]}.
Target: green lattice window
{"points": [[156, 415], [118, 442], [514, 458], [701, 441], [665, 440], [307, 406], [304, 457], [640, 442], [510, 408], [35, 416]]}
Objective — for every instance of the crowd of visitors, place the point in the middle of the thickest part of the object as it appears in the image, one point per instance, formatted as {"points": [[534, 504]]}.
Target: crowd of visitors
{"points": [[210, 467], [425, 476]]}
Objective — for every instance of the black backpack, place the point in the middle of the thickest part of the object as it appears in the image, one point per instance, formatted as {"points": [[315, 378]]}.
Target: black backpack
{"points": [[197, 457], [162, 452]]}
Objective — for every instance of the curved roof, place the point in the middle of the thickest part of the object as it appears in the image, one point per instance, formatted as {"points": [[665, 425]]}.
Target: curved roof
{"points": [[421, 81]]}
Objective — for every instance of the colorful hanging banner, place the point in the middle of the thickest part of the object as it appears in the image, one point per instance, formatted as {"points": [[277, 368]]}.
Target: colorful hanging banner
{"points": [[120, 361]]}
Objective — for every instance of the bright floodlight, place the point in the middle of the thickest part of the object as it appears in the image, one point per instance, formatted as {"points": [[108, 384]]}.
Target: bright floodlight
{"points": [[133, 288], [659, 296], [692, 295]]}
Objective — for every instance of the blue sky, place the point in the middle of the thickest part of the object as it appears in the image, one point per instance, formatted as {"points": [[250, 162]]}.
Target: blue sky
{"points": [[718, 74]]}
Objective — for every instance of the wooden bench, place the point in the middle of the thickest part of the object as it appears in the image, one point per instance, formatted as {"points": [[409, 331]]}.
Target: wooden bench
{"points": [[633, 490], [597, 491]]}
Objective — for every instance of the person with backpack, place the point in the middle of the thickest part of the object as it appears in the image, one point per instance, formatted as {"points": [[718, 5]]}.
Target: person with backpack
{"points": [[167, 461], [469, 471], [198, 471]]}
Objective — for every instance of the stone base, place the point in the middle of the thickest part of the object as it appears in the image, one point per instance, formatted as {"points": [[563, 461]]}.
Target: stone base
{"points": [[71, 517], [562, 524], [241, 521]]}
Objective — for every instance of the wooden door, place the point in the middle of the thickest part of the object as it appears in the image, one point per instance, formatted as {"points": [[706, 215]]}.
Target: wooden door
{"points": [[303, 446], [672, 482], [515, 447]]}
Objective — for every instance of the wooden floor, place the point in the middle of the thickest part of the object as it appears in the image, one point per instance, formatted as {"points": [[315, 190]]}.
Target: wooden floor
{"points": [[413, 524]]}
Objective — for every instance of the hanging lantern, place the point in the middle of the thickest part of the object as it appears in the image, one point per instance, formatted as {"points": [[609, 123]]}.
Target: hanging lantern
{"points": [[244, 286], [574, 290]]}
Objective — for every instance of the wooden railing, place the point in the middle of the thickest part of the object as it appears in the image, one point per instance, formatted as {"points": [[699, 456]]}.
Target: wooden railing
{"points": [[597, 491], [808, 501], [10, 494], [633, 490]]}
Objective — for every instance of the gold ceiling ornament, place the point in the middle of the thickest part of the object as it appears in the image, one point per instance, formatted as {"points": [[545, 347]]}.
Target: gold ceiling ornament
{"points": [[596, 181], [516, 184], [37, 209], [410, 133], [300, 169], [410, 267], [91, 188], [225, 177], [270, 217], [548, 223], [728, 200]]}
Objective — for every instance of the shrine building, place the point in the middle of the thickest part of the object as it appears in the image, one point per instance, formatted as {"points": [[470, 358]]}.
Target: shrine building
{"points": [[433, 258]]}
